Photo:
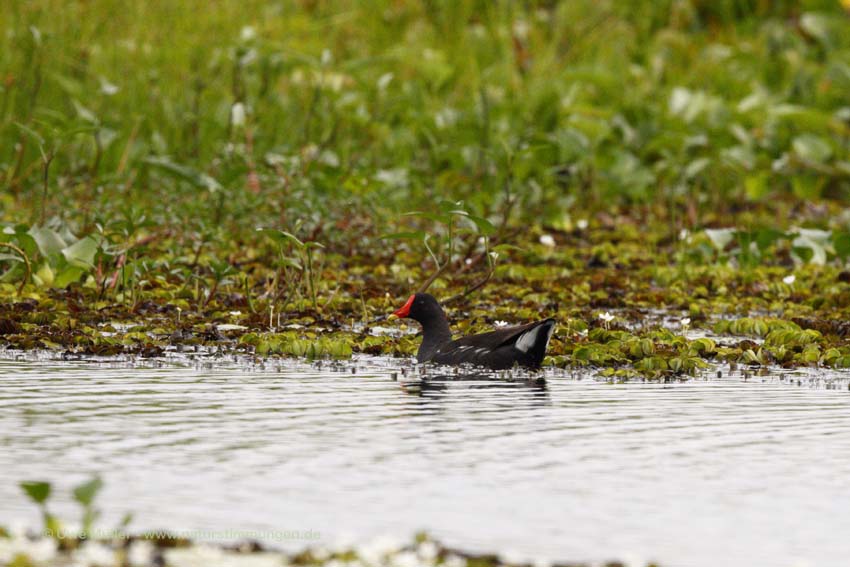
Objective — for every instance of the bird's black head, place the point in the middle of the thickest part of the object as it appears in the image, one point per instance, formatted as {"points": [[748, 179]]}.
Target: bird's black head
{"points": [[421, 307]]}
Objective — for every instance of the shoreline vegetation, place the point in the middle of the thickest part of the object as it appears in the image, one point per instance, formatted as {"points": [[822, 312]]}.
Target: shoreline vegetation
{"points": [[668, 180], [89, 546], [163, 550]]}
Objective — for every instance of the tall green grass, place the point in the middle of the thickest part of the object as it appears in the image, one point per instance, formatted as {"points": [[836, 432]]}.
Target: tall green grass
{"points": [[234, 114]]}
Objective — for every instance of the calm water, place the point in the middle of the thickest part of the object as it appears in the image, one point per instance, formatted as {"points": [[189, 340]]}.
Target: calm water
{"points": [[705, 473]]}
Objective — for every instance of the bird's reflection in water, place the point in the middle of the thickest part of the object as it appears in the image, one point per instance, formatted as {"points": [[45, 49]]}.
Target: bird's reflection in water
{"points": [[437, 385]]}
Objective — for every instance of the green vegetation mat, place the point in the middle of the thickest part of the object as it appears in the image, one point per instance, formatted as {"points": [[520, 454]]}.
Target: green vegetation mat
{"points": [[667, 179]]}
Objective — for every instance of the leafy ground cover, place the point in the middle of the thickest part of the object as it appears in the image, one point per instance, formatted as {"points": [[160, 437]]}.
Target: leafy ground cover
{"points": [[63, 543], [666, 179]]}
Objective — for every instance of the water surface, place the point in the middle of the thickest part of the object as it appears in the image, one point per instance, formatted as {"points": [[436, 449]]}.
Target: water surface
{"points": [[709, 472]]}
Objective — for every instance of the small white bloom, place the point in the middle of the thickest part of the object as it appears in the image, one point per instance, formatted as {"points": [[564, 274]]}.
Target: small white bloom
{"points": [[235, 313], [684, 234], [405, 559], [140, 553], [384, 81], [428, 550], [521, 29], [583, 333], [501, 323], [547, 240], [789, 279], [686, 321], [248, 33], [107, 88], [93, 553], [237, 115], [582, 224], [607, 317]]}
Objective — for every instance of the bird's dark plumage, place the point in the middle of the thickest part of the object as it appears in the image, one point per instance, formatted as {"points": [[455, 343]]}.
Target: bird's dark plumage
{"points": [[522, 345]]}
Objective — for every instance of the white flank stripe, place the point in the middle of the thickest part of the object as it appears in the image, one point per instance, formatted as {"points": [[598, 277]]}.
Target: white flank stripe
{"points": [[529, 338]]}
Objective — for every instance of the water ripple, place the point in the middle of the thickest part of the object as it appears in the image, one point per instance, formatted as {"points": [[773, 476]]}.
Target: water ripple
{"points": [[729, 471]]}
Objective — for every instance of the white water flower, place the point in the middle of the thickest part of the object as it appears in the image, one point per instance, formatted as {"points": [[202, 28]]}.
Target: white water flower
{"points": [[247, 33], [454, 561], [428, 551], [237, 115], [789, 279], [607, 317], [686, 322], [140, 553], [501, 323], [684, 234], [94, 553], [547, 240], [582, 224]]}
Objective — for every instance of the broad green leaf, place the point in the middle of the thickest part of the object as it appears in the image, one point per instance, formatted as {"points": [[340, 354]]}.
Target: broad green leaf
{"points": [[49, 242], [82, 252], [281, 236], [720, 237], [756, 186], [766, 237], [808, 187], [287, 262], [38, 491], [841, 244], [812, 148], [506, 247], [810, 246], [44, 275], [86, 492], [416, 235], [31, 133], [430, 216], [184, 173], [69, 275], [449, 206], [819, 26], [483, 226]]}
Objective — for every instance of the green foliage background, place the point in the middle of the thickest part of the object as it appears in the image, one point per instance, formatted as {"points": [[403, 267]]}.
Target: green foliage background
{"points": [[376, 106]]}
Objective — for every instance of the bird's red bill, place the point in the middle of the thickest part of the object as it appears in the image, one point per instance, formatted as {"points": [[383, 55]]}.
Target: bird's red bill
{"points": [[404, 310]]}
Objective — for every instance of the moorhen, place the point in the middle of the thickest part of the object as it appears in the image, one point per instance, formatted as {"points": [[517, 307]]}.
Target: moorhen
{"points": [[523, 345]]}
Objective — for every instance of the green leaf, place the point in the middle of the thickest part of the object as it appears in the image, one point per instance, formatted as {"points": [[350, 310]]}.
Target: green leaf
{"points": [[281, 236], [286, 262], [720, 237], [69, 275], [484, 226], [766, 237], [49, 242], [841, 244], [31, 133], [449, 206], [184, 173], [819, 26], [756, 186], [416, 235], [812, 148], [38, 491], [430, 216], [86, 492], [82, 252], [808, 187]]}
